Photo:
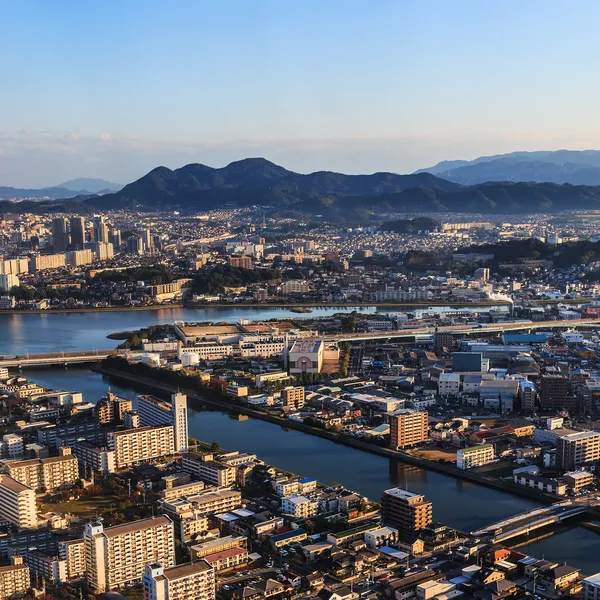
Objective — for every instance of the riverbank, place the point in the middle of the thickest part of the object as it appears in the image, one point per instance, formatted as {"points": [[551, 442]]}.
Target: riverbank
{"points": [[255, 305], [338, 438]]}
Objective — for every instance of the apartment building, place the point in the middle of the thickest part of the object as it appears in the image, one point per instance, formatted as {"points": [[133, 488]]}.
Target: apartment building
{"points": [[45, 566], [118, 556], [577, 449], [293, 397], [48, 261], [190, 581], [187, 489], [78, 258], [554, 389], [14, 578], [591, 587], [408, 428], [153, 411], [17, 503], [111, 408], [73, 553], [204, 467], [206, 503], [467, 458], [299, 506], [97, 458], [405, 511], [218, 545], [227, 559], [134, 446], [52, 473]]}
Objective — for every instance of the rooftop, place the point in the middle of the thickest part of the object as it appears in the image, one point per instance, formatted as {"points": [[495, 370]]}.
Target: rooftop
{"points": [[402, 494], [187, 569], [136, 526], [307, 346]]}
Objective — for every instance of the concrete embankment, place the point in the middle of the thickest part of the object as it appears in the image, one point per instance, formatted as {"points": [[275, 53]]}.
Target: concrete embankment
{"points": [[444, 468]]}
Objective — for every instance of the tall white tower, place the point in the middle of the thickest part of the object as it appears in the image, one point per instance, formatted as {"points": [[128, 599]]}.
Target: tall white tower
{"points": [[180, 421]]}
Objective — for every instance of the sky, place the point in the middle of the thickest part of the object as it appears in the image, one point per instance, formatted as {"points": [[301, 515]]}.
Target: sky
{"points": [[111, 89]]}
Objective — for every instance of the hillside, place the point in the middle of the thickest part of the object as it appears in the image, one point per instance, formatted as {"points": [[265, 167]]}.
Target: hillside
{"points": [[561, 166]]}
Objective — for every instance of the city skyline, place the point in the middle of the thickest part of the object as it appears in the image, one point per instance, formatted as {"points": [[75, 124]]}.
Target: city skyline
{"points": [[112, 91]]}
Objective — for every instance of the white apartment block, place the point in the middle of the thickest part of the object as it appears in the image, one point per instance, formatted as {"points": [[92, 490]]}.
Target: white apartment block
{"points": [[50, 473], [205, 468], [190, 581], [17, 503], [73, 553], [299, 506], [118, 556], [449, 384], [134, 446], [153, 411], [14, 578], [12, 445], [206, 503], [467, 458], [591, 587]]}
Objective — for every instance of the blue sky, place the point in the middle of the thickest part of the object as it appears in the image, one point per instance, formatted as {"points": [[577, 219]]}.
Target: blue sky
{"points": [[111, 89]]}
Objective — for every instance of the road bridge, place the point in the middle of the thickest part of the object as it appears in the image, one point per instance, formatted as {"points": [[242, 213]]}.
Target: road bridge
{"points": [[54, 358], [531, 520], [477, 329]]}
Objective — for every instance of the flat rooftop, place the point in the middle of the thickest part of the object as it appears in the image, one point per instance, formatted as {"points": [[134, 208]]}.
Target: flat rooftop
{"points": [[307, 346], [402, 494], [136, 526], [187, 569]]}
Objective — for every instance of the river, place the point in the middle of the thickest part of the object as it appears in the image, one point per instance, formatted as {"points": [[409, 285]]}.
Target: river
{"points": [[460, 504]]}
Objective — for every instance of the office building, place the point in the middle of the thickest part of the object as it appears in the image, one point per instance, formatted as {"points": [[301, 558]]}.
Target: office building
{"points": [[118, 556], [78, 233], [554, 389], [190, 581], [47, 261], [17, 503], [77, 258], [469, 362], [405, 511], [202, 466], [467, 458], [577, 449], [60, 234], [527, 395], [153, 411], [147, 243], [8, 281], [115, 238], [49, 474], [14, 578], [293, 397], [134, 446], [408, 428]]}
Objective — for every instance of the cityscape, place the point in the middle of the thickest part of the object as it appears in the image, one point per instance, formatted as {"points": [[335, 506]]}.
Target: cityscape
{"points": [[285, 358]]}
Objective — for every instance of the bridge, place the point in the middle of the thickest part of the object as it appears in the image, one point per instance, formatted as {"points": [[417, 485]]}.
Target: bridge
{"points": [[54, 358], [463, 329], [531, 520]]}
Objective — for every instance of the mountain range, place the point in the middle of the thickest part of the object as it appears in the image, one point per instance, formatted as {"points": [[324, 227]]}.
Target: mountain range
{"points": [[256, 181], [83, 186], [560, 166]]}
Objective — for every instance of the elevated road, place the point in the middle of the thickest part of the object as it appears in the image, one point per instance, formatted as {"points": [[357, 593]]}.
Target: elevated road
{"points": [[531, 520], [464, 329], [54, 358]]}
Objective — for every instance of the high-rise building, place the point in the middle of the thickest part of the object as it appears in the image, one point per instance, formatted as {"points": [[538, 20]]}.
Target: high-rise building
{"points": [[100, 229], [52, 473], [14, 266], [77, 233], [17, 503], [482, 273], [135, 446], [293, 397], [118, 556], [576, 449], [147, 242], [60, 234], [554, 389], [103, 250], [405, 511], [408, 428], [8, 281], [79, 258], [115, 238], [73, 553], [190, 581], [134, 245], [111, 408], [14, 578], [154, 411]]}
